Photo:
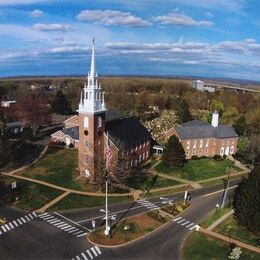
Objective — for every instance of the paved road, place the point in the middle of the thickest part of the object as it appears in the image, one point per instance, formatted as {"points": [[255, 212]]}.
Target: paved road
{"points": [[62, 235]]}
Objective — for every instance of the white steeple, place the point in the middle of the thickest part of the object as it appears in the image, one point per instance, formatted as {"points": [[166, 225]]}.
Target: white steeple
{"points": [[92, 97], [214, 121]]}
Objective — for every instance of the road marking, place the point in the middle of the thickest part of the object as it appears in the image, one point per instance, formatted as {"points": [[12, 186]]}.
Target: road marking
{"points": [[27, 217], [81, 235], [7, 227], [48, 217], [3, 228], [19, 221], [186, 222], [93, 250], [59, 223], [98, 249], [35, 215], [84, 256], [77, 257], [177, 219], [67, 226], [0, 232], [67, 229], [190, 225], [15, 223], [75, 229], [90, 255], [77, 232], [52, 221], [72, 221], [11, 225], [181, 220], [215, 192], [30, 216], [24, 221]]}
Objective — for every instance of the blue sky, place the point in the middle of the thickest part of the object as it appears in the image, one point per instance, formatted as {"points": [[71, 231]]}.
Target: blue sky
{"points": [[214, 38]]}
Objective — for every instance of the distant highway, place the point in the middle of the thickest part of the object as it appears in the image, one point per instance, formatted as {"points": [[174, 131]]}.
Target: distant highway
{"points": [[219, 86]]}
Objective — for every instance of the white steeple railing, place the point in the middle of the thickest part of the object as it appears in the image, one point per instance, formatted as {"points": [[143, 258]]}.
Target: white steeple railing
{"points": [[93, 96]]}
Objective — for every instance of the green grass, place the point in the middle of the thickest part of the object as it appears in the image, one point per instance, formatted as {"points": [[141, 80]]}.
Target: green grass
{"points": [[196, 170], [214, 216], [231, 228], [146, 180], [59, 167], [31, 196], [199, 247], [73, 201]]}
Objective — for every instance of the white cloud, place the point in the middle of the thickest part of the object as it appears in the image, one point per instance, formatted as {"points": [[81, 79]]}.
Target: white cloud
{"points": [[111, 17], [179, 19], [37, 13], [52, 27]]}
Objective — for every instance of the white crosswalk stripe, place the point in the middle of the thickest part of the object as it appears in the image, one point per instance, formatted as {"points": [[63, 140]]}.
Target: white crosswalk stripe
{"points": [[147, 204], [64, 225], [90, 253], [17, 222], [185, 223]]}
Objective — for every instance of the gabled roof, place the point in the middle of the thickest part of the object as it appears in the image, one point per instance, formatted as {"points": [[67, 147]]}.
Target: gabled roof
{"points": [[73, 132], [127, 131], [198, 129], [112, 115], [74, 120]]}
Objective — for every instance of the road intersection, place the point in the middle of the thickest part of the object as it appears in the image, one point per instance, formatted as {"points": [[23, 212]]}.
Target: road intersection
{"points": [[62, 235]]}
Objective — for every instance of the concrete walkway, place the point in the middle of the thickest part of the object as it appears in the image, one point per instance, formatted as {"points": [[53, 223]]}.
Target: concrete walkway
{"points": [[229, 240], [51, 203], [221, 219]]}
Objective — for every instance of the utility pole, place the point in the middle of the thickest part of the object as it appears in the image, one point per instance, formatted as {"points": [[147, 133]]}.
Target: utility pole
{"points": [[107, 226], [228, 170]]}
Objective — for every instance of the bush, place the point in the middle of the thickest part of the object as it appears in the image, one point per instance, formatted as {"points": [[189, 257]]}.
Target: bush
{"points": [[195, 157], [217, 157]]}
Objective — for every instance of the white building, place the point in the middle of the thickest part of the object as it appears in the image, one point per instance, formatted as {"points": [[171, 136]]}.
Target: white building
{"points": [[200, 85]]}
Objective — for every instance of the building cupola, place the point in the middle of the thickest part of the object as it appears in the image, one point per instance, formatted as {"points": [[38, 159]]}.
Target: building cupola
{"points": [[215, 118]]}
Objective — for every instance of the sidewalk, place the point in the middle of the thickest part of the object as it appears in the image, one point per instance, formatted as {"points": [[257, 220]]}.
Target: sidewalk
{"points": [[229, 240], [218, 221]]}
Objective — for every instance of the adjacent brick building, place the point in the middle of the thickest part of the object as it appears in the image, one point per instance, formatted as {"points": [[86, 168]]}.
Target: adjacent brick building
{"points": [[203, 139]]}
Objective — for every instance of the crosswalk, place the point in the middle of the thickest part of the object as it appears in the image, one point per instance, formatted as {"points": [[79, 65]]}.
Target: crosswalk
{"points": [[90, 253], [185, 223], [18, 222], [63, 225], [147, 204]]}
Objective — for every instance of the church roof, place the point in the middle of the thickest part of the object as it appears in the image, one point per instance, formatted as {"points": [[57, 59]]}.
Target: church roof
{"points": [[127, 131], [198, 129], [112, 114], [73, 132]]}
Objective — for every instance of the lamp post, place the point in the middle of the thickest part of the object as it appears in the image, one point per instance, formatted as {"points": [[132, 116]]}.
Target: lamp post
{"points": [[106, 207], [228, 170]]}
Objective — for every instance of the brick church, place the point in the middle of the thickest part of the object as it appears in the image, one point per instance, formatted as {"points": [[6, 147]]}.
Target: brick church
{"points": [[97, 129]]}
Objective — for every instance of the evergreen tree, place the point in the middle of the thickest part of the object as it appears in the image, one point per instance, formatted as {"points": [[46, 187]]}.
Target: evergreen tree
{"points": [[183, 111], [61, 104], [240, 125], [174, 154], [246, 201]]}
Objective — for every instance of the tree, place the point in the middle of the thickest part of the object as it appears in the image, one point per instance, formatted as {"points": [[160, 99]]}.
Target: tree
{"points": [[33, 111], [174, 154], [246, 201], [61, 104], [216, 105], [253, 120], [229, 116], [240, 125], [183, 111]]}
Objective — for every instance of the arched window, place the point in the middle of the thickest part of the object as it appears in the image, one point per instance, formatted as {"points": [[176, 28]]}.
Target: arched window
{"points": [[99, 121], [86, 122]]}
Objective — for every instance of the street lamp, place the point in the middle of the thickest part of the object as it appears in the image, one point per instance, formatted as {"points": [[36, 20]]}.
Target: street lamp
{"points": [[107, 230], [228, 170]]}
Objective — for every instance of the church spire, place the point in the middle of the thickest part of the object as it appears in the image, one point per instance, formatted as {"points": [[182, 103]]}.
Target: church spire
{"points": [[93, 65]]}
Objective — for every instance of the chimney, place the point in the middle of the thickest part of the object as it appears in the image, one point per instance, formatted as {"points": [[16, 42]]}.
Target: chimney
{"points": [[214, 121]]}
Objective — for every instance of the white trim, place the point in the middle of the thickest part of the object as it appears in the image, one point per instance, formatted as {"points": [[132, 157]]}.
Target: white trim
{"points": [[70, 118]]}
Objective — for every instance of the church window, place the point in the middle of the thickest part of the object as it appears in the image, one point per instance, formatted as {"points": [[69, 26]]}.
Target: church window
{"points": [[147, 154], [140, 158], [86, 122], [86, 132], [99, 121], [143, 156]]}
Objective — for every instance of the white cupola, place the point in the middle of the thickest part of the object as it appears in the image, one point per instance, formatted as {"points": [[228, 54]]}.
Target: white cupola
{"points": [[92, 96], [215, 117]]}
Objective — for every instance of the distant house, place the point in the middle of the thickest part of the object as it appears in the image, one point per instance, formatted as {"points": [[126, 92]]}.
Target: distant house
{"points": [[203, 139]]}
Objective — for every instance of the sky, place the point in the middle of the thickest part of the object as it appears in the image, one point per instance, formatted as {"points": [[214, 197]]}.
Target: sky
{"points": [[205, 38]]}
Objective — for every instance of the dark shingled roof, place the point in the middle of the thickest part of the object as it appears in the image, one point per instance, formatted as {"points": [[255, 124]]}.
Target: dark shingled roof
{"points": [[112, 114], [73, 132], [198, 129], [127, 131]]}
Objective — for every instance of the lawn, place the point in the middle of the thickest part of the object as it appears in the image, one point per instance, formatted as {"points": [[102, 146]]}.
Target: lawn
{"points": [[198, 247], [145, 181], [196, 170], [27, 195], [73, 201], [214, 216], [230, 228]]}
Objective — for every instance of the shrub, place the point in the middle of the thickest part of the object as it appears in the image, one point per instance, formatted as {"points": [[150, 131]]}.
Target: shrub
{"points": [[195, 157], [217, 157]]}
